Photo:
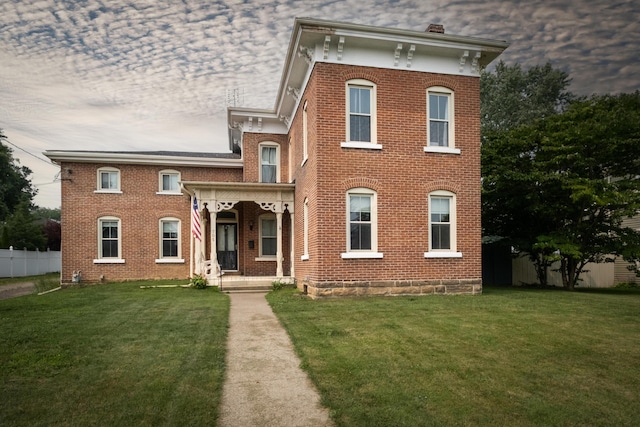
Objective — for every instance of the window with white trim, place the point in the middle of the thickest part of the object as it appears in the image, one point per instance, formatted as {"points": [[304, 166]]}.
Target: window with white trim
{"points": [[362, 227], [109, 240], [108, 180], [168, 182], [440, 121], [442, 225], [269, 162], [305, 132], [305, 228], [361, 115], [170, 247], [268, 236]]}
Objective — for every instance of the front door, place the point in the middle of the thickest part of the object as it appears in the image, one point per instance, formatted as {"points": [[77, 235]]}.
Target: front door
{"points": [[227, 242]]}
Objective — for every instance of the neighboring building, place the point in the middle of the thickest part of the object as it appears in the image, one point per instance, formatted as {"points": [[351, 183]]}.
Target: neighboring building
{"points": [[363, 179]]}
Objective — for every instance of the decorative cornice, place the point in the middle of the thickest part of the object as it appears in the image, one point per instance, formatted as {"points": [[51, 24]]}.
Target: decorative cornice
{"points": [[463, 60], [474, 63], [412, 49], [285, 119], [306, 54], [325, 50], [294, 92], [340, 48], [396, 55]]}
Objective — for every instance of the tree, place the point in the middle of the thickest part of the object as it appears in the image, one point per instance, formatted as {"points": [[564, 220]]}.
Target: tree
{"points": [[47, 213], [23, 231], [559, 188], [15, 185], [511, 96]]}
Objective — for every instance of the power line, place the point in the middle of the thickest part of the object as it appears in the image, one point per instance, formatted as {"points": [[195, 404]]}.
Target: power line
{"points": [[31, 154]]}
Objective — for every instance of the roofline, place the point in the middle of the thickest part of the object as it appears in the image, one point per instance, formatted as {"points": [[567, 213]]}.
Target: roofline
{"points": [[57, 156], [247, 186]]}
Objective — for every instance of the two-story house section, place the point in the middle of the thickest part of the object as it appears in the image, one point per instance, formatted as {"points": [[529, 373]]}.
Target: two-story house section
{"points": [[364, 178]]}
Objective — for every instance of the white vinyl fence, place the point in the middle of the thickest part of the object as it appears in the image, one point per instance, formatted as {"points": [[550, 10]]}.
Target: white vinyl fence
{"points": [[20, 263], [596, 276]]}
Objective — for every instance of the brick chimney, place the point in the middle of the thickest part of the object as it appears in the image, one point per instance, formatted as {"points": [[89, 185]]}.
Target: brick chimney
{"points": [[435, 28]]}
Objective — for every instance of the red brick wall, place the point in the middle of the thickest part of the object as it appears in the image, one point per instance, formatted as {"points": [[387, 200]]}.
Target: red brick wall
{"points": [[401, 173], [139, 209]]}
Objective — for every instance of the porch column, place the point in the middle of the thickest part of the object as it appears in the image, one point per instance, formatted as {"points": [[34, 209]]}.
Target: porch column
{"points": [[197, 248], [292, 259], [279, 256], [214, 249]]}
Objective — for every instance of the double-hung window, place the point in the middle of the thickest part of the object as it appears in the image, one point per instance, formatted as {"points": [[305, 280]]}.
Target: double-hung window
{"points": [[440, 121], [108, 180], [361, 115], [268, 236], [168, 182], [269, 160], [305, 228], [442, 225], [305, 133], [109, 241], [170, 248], [362, 239]]}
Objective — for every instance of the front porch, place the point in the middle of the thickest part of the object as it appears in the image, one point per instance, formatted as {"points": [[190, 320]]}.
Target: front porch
{"points": [[241, 235]]}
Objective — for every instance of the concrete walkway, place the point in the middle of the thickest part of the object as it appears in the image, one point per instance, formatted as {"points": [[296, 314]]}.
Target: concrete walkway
{"points": [[265, 385]]}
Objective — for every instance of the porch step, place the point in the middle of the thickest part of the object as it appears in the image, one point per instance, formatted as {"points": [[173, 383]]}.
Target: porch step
{"points": [[246, 285]]}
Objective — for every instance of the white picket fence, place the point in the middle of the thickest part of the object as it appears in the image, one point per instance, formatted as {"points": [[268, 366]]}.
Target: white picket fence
{"points": [[20, 263], [596, 276]]}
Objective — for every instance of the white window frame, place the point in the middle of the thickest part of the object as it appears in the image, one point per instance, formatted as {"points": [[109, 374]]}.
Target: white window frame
{"points": [[305, 134], [451, 147], [169, 259], [169, 172], [270, 145], [360, 253], [109, 260], [109, 170], [305, 228], [261, 255], [370, 145], [452, 251]]}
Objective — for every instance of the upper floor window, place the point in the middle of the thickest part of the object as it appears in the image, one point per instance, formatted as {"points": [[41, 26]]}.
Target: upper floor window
{"points": [[362, 224], [168, 182], [269, 163], [109, 240], [440, 121], [361, 115], [108, 180], [442, 225], [305, 133], [170, 247]]}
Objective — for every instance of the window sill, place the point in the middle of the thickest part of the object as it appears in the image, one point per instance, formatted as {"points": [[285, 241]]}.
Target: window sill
{"points": [[359, 255], [443, 150], [304, 258], [266, 258], [170, 261], [363, 145], [168, 193], [108, 261], [108, 191], [443, 254]]}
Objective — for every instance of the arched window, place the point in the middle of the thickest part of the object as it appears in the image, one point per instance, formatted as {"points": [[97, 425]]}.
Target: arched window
{"points": [[269, 155], [170, 240], [442, 225], [362, 224], [361, 121], [109, 240], [440, 121]]}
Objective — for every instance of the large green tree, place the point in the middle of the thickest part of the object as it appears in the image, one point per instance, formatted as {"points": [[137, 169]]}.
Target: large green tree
{"points": [[559, 188], [15, 184]]}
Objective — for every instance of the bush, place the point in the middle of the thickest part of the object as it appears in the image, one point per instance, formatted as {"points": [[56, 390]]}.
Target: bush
{"points": [[279, 284], [198, 281], [627, 285]]}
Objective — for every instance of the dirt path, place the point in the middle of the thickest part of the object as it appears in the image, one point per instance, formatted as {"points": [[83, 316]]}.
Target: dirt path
{"points": [[17, 290]]}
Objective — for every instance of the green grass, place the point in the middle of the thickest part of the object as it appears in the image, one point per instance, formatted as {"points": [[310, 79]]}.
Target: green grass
{"points": [[113, 355], [50, 277], [509, 357]]}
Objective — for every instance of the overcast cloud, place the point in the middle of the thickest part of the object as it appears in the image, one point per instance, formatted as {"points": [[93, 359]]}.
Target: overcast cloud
{"points": [[154, 74]]}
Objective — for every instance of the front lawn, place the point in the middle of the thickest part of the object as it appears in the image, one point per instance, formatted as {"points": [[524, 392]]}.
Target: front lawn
{"points": [[114, 355], [508, 357]]}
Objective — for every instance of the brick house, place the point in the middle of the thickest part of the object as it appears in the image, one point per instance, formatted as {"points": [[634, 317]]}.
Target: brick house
{"points": [[363, 179]]}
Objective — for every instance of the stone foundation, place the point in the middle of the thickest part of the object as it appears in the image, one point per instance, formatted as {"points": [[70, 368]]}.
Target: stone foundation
{"points": [[391, 288]]}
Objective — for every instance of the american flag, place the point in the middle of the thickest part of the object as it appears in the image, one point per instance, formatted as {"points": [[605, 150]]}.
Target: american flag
{"points": [[195, 220]]}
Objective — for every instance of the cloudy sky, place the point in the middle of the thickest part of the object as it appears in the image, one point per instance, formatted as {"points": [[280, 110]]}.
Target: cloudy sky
{"points": [[156, 74]]}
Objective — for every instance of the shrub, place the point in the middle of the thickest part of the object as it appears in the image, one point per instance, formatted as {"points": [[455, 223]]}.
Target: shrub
{"points": [[198, 281]]}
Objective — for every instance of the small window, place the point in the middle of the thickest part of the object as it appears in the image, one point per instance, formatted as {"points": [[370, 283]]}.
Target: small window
{"points": [[269, 161], [108, 180], [362, 238], [109, 241], [361, 115], [268, 236], [440, 123], [442, 225], [168, 182]]}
